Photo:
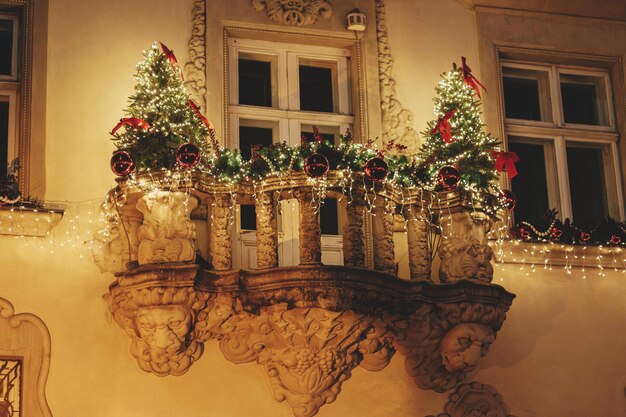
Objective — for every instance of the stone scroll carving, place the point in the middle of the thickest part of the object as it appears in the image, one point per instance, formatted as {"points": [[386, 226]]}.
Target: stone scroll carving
{"points": [[294, 12], [307, 352], [195, 68], [167, 233], [475, 400], [397, 122]]}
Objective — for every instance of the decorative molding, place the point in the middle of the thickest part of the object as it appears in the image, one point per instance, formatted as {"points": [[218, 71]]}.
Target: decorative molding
{"points": [[310, 325], [298, 13], [196, 66], [26, 336], [474, 399], [397, 122]]}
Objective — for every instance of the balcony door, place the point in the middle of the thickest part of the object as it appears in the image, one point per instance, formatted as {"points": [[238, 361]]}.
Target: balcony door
{"points": [[278, 92]]}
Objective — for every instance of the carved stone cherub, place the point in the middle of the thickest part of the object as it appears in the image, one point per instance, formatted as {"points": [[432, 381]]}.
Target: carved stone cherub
{"points": [[464, 345], [464, 257]]}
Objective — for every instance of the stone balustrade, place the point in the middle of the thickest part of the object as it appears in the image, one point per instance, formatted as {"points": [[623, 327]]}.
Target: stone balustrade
{"points": [[309, 322]]}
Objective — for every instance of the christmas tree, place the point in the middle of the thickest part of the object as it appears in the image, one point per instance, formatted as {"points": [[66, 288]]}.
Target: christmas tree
{"points": [[161, 117], [457, 137]]}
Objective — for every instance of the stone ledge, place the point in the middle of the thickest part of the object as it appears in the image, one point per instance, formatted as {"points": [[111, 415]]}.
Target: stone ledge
{"points": [[27, 221]]}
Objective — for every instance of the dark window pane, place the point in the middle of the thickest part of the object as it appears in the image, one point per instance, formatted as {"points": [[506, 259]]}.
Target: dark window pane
{"points": [[255, 83], [329, 221], [316, 89], [579, 103], [6, 46], [248, 216], [586, 183], [4, 135], [310, 137], [531, 188], [521, 98], [250, 136]]}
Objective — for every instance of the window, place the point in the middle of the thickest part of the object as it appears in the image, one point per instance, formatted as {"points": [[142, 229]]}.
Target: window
{"points": [[9, 88], [559, 120], [278, 92]]}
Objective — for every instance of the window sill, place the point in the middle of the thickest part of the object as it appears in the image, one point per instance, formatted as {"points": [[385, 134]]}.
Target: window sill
{"points": [[549, 254], [26, 221]]}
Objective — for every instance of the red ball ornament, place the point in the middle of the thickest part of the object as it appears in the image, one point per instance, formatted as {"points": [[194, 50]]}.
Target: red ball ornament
{"points": [[524, 233], [615, 240], [556, 232], [508, 199], [376, 169], [122, 164], [316, 165], [584, 236], [188, 155], [448, 177]]}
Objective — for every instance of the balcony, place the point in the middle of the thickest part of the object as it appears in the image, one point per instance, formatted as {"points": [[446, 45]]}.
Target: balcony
{"points": [[311, 324]]}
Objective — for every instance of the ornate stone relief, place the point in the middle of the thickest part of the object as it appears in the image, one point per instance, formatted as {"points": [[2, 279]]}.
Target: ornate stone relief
{"points": [[397, 121], [167, 233], [464, 257], [195, 69], [310, 325], [161, 321], [26, 337], [475, 400], [294, 12]]}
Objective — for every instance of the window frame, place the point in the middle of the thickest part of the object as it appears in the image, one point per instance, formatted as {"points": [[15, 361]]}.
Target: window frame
{"points": [[14, 76], [557, 134]]}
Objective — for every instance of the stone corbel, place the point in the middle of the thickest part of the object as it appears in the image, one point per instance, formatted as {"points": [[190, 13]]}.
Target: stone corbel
{"points": [[307, 353], [444, 343], [158, 309]]}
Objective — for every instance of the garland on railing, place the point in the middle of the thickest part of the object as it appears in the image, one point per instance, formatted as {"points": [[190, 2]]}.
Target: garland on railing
{"points": [[165, 130], [606, 232]]}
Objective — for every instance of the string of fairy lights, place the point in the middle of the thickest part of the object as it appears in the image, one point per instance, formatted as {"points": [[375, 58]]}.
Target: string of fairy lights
{"points": [[166, 145]]}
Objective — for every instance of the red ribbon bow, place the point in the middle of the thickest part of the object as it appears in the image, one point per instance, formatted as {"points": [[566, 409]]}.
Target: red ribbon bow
{"points": [[443, 127], [135, 122], [169, 55], [505, 160], [470, 79], [196, 110]]}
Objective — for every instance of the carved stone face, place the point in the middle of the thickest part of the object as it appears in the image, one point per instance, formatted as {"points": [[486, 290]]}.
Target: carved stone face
{"points": [[464, 345], [465, 258], [163, 328]]}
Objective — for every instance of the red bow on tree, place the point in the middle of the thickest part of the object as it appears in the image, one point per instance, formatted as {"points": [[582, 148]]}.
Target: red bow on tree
{"points": [[196, 110], [169, 55], [505, 160], [135, 122], [443, 127], [470, 79]]}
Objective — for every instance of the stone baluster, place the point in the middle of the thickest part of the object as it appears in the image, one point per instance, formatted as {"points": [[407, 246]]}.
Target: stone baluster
{"points": [[310, 233], [353, 233], [382, 230], [220, 244], [417, 235], [266, 230]]}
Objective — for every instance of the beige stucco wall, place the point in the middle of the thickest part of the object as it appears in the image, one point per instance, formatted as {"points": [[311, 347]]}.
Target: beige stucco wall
{"points": [[560, 353]]}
